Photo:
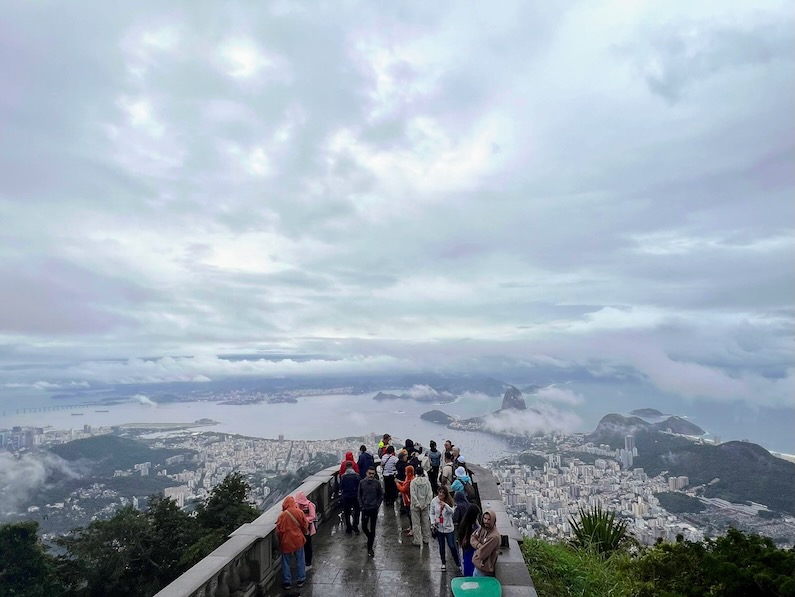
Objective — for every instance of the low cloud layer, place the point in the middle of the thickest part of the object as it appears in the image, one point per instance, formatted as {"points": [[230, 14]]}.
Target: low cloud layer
{"points": [[548, 419], [425, 393], [21, 476]]}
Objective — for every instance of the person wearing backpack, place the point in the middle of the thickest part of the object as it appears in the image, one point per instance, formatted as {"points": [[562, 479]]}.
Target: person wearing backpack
{"points": [[388, 469], [421, 497], [383, 445], [446, 476], [435, 458], [466, 480], [365, 461]]}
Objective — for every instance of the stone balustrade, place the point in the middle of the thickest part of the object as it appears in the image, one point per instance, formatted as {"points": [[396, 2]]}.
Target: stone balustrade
{"points": [[248, 563]]}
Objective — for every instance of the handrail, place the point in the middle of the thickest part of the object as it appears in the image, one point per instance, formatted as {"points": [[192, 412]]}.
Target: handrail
{"points": [[248, 562]]}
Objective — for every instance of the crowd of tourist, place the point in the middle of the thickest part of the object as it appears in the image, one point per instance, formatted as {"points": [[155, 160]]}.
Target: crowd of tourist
{"points": [[433, 488]]}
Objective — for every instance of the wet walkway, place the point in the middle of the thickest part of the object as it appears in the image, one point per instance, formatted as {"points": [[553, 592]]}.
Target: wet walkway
{"points": [[341, 566]]}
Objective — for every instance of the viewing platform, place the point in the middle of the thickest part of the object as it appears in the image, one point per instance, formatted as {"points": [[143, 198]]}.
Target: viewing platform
{"points": [[248, 564]]}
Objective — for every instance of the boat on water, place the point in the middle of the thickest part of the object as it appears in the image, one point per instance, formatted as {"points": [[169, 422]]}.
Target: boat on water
{"points": [[77, 414], [101, 411]]}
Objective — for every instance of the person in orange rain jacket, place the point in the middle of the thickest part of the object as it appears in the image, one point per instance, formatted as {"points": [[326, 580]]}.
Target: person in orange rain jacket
{"points": [[291, 528], [404, 487]]}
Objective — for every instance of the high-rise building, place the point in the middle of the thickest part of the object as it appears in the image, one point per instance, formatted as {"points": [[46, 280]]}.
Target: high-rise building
{"points": [[629, 443]]}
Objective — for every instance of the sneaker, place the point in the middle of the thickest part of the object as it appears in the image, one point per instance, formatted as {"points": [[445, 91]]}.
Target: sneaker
{"points": [[371, 553], [286, 587], [444, 567], [300, 583], [309, 567]]}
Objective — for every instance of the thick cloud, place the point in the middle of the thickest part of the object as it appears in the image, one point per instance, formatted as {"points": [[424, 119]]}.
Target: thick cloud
{"points": [[22, 476], [602, 185]]}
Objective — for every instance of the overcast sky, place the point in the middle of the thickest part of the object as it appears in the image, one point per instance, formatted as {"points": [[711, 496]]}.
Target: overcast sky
{"points": [[400, 185]]}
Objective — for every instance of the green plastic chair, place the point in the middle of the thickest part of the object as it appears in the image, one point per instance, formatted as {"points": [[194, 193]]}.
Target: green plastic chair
{"points": [[476, 586]]}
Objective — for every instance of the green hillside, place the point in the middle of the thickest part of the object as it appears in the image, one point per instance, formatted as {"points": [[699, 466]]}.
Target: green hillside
{"points": [[106, 453], [745, 471]]}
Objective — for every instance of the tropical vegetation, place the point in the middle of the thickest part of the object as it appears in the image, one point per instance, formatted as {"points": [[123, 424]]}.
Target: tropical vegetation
{"points": [[132, 554], [595, 563]]}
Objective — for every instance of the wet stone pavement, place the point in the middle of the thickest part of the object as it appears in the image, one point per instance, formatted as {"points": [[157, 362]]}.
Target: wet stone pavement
{"points": [[341, 566]]}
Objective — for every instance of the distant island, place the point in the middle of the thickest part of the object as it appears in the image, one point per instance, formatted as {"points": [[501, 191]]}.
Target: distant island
{"points": [[420, 394], [646, 412], [437, 416], [166, 426], [512, 402]]}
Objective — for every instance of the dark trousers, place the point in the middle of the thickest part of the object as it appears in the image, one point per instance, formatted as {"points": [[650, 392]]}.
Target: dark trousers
{"points": [[350, 506], [308, 550], [368, 526], [433, 477], [450, 540], [390, 491]]}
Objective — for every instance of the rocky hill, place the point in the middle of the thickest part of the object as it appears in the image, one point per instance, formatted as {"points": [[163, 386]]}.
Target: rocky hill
{"points": [[679, 425], [734, 471], [386, 396], [437, 416], [513, 399]]}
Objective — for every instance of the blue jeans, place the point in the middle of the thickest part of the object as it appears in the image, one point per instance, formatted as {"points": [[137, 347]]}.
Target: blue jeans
{"points": [[469, 567], [450, 540], [287, 578], [477, 572]]}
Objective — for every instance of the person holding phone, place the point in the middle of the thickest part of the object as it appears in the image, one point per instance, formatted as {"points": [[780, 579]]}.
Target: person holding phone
{"points": [[441, 516]]}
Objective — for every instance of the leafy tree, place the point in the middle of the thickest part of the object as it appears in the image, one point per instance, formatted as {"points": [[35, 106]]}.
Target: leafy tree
{"points": [[111, 557], [173, 532], [228, 506], [26, 570], [598, 530], [735, 564]]}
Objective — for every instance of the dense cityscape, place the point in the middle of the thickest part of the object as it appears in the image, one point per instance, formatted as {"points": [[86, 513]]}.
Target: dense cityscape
{"points": [[543, 487]]}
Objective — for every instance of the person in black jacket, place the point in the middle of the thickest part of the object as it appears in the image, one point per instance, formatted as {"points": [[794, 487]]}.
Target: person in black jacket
{"points": [[349, 486], [370, 496], [365, 461]]}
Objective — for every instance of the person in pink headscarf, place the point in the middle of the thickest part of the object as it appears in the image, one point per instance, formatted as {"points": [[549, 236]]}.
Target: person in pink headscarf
{"points": [[309, 510]]}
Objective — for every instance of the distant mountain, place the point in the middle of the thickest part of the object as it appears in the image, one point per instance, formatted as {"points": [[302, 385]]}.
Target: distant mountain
{"points": [[646, 412], [107, 453], [421, 393], [437, 416], [734, 471], [680, 425], [386, 396], [513, 399], [613, 428]]}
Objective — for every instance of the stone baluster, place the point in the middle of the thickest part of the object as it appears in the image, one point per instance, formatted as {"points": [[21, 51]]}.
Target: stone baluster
{"points": [[234, 578], [222, 590], [245, 570]]}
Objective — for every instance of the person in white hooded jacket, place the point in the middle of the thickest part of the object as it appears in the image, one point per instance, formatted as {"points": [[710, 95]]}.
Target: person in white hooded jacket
{"points": [[421, 496], [441, 517]]}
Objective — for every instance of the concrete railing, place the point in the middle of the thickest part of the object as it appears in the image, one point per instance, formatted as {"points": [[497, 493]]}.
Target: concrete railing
{"points": [[248, 563]]}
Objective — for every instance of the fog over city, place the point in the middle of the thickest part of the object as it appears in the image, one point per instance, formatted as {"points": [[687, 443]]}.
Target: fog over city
{"points": [[279, 190]]}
